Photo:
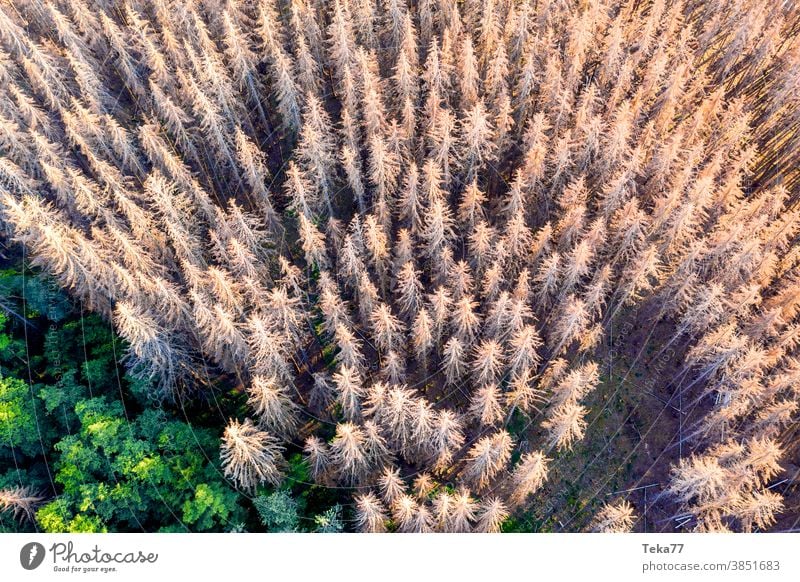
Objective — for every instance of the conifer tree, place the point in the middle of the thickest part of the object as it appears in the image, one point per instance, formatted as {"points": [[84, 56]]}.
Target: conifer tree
{"points": [[371, 517], [614, 518], [491, 515], [487, 458], [250, 456], [273, 405]]}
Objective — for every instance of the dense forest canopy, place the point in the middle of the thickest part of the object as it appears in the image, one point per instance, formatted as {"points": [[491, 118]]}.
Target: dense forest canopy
{"points": [[409, 266]]}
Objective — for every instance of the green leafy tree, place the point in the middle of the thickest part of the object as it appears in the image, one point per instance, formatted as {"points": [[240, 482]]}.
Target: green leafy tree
{"points": [[80, 433], [18, 413], [149, 472], [278, 511]]}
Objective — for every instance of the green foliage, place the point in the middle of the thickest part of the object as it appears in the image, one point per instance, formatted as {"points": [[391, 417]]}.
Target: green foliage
{"points": [[147, 472], [5, 339], [297, 472], [212, 504], [330, 521], [56, 517], [36, 296], [278, 511], [115, 464], [89, 438], [20, 433]]}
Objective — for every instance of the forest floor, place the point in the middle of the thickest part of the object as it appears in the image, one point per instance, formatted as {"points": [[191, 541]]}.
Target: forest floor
{"points": [[631, 439], [636, 435]]}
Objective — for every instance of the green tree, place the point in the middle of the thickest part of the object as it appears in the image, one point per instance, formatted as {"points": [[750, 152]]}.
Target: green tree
{"points": [[330, 521], [148, 472], [278, 511], [74, 425], [19, 431]]}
